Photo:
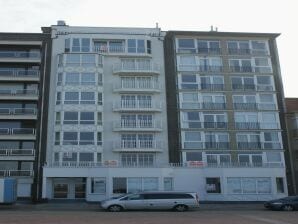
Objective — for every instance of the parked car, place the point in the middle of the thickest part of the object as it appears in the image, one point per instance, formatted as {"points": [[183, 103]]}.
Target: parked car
{"points": [[285, 204], [178, 201]]}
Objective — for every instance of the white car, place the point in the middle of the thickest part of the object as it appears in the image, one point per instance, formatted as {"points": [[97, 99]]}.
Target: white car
{"points": [[178, 201]]}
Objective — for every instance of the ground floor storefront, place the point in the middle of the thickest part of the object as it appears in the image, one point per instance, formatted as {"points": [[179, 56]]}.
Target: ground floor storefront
{"points": [[212, 184]]}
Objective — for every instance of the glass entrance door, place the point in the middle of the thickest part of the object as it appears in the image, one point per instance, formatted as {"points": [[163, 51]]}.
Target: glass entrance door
{"points": [[60, 190], [80, 189]]}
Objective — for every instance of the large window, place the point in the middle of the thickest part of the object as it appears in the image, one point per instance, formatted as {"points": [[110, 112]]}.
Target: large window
{"points": [[249, 185], [280, 185], [136, 46], [186, 46], [168, 183], [79, 98], [193, 140], [98, 185], [213, 185], [205, 46], [81, 138], [123, 185], [137, 159]]}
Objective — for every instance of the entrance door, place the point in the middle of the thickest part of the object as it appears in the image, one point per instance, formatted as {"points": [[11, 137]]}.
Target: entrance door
{"points": [[80, 189], [60, 190]]}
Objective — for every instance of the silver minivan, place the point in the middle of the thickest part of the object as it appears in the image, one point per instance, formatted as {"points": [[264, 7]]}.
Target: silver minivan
{"points": [[178, 201]]}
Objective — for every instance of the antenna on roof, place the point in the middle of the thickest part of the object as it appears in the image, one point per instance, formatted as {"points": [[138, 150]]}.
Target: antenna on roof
{"points": [[156, 25]]}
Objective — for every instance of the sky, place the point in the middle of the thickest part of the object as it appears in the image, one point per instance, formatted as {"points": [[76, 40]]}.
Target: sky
{"points": [[266, 16]]}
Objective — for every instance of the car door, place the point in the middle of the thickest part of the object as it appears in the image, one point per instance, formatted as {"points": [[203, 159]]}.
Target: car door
{"points": [[134, 201], [158, 201], [295, 203]]}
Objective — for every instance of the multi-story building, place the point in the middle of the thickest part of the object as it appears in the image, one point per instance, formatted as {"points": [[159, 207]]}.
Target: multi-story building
{"points": [[292, 152], [225, 112], [23, 109], [107, 108]]}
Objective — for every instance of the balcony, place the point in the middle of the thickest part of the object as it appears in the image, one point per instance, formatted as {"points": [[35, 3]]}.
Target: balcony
{"points": [[138, 125], [18, 94], [18, 113], [250, 69], [138, 146], [203, 106], [239, 51], [200, 50], [245, 106], [14, 154], [110, 49], [126, 106], [256, 125], [258, 145], [20, 56], [204, 125], [212, 87], [246, 87], [150, 87], [17, 133], [200, 68], [206, 145], [16, 173], [137, 68], [14, 74]]}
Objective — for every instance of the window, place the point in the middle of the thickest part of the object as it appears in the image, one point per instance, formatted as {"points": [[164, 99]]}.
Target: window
{"points": [[99, 79], [72, 59], [59, 79], [98, 185], [168, 183], [71, 98], [86, 138], [244, 185], [58, 98], [71, 118], [280, 185], [271, 140], [86, 157], [57, 138], [273, 157], [238, 47], [262, 65], [137, 159], [187, 63], [243, 83], [265, 83], [58, 118], [212, 82], [76, 46], [87, 118], [119, 185], [70, 138], [189, 81], [88, 60], [213, 185], [67, 45], [194, 156], [150, 184], [99, 118], [135, 46], [85, 44], [240, 65], [69, 157], [87, 98], [72, 78], [205, 46], [259, 47], [193, 140], [88, 78], [149, 47], [99, 138], [191, 119], [99, 100], [186, 46]]}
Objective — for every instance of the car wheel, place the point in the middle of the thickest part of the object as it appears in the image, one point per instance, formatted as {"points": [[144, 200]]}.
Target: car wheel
{"points": [[287, 208], [115, 208], [180, 208]]}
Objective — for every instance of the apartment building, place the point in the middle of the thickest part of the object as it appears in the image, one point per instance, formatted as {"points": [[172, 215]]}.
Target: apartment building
{"points": [[23, 109], [292, 152], [225, 109], [107, 112]]}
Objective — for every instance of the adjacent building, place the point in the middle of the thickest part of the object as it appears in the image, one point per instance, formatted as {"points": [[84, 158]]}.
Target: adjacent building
{"points": [[23, 75], [225, 108], [292, 152]]}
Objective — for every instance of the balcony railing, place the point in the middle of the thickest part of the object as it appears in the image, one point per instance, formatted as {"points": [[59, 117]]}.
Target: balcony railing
{"points": [[17, 111], [254, 106], [109, 49], [16, 173], [239, 51], [13, 72], [201, 68], [17, 152], [138, 86], [199, 125], [259, 145], [206, 145], [212, 87], [245, 87], [19, 92], [256, 125], [244, 165], [137, 105], [138, 144], [151, 125], [204, 50], [205, 106], [19, 54], [137, 67], [17, 131], [251, 69]]}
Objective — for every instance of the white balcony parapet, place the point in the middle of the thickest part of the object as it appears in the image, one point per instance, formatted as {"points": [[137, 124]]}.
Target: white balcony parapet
{"points": [[109, 49], [17, 152], [16, 173], [19, 54], [19, 92], [189, 164], [138, 86], [137, 125], [137, 67]]}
